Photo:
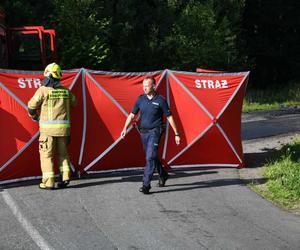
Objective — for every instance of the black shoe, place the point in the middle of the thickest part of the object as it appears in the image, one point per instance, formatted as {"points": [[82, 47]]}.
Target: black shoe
{"points": [[145, 190], [162, 181], [63, 184]]}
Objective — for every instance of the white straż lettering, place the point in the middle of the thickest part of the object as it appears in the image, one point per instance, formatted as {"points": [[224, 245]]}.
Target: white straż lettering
{"points": [[211, 84], [22, 84], [29, 83]]}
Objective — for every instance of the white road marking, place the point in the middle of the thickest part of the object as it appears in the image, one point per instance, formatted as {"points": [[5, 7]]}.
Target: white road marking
{"points": [[29, 228]]}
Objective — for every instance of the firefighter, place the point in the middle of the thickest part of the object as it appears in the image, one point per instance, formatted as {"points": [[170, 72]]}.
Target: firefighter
{"points": [[152, 107], [51, 105]]}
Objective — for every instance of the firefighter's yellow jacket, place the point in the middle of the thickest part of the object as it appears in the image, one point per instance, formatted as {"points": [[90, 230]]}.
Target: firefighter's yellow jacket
{"points": [[53, 106]]}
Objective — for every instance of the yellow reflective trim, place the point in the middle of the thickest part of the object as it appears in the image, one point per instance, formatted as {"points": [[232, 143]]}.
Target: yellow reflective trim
{"points": [[54, 125], [48, 174], [68, 109], [59, 94], [50, 110], [64, 169]]}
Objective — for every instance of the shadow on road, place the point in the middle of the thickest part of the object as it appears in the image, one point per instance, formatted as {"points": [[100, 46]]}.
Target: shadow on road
{"points": [[257, 160], [109, 178], [136, 178], [253, 160], [208, 184]]}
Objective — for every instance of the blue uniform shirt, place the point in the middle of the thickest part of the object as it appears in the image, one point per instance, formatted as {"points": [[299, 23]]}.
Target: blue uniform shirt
{"points": [[151, 110]]}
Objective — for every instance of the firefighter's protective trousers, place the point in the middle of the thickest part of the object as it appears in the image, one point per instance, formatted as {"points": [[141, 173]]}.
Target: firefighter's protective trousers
{"points": [[49, 147]]}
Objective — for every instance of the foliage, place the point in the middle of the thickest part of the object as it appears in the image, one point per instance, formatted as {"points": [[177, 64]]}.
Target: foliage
{"points": [[283, 174], [133, 35], [272, 32], [136, 33], [198, 39], [271, 98], [81, 33], [27, 13]]}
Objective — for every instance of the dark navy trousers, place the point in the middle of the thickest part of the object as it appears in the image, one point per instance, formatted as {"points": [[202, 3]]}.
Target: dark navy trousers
{"points": [[150, 142]]}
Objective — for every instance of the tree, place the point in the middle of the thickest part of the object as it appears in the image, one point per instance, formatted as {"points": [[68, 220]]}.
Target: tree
{"points": [[134, 35], [272, 32], [82, 32], [198, 39], [26, 13]]}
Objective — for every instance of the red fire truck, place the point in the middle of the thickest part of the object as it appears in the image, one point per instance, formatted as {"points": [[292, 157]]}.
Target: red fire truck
{"points": [[26, 47]]}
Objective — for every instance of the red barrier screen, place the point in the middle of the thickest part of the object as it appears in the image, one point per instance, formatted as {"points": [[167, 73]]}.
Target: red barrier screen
{"points": [[206, 107]]}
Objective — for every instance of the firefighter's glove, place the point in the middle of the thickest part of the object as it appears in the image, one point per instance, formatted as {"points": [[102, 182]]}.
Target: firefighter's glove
{"points": [[35, 118], [33, 114]]}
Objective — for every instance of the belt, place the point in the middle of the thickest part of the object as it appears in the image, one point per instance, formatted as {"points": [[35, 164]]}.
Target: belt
{"points": [[147, 130]]}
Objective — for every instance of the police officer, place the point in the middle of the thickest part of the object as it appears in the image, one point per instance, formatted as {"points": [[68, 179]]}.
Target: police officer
{"points": [[50, 105], [152, 107]]}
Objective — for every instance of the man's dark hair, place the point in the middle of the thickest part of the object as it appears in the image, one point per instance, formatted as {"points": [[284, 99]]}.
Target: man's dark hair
{"points": [[150, 78]]}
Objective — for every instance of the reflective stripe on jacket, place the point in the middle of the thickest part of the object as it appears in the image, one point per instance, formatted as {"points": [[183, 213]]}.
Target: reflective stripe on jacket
{"points": [[53, 106]]}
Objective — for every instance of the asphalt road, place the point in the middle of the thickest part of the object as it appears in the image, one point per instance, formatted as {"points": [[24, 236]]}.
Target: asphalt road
{"points": [[211, 209]]}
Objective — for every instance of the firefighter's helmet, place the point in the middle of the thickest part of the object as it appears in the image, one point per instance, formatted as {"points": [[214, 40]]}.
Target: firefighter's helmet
{"points": [[53, 70]]}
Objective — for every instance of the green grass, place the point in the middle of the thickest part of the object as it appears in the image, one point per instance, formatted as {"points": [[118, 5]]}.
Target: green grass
{"points": [[283, 176], [287, 96]]}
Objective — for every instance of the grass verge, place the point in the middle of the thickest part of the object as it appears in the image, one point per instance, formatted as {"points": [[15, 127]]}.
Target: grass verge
{"points": [[283, 177], [285, 97]]}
